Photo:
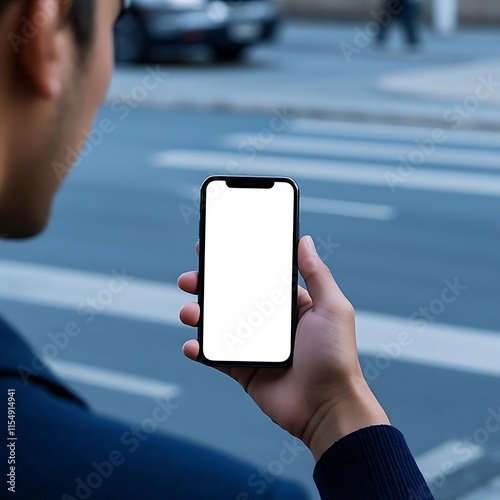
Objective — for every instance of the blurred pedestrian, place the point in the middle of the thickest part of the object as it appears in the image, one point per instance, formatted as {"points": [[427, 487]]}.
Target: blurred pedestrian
{"points": [[407, 12]]}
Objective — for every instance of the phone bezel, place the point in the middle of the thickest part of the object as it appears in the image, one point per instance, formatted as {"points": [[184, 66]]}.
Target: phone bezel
{"points": [[257, 182]]}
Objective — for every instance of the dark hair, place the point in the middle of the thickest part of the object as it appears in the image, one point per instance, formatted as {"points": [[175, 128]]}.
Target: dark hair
{"points": [[81, 17]]}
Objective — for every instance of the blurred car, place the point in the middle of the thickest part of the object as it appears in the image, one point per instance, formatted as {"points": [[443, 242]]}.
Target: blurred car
{"points": [[227, 27]]}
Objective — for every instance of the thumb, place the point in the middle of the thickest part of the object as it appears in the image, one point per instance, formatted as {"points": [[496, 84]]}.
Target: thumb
{"points": [[320, 283]]}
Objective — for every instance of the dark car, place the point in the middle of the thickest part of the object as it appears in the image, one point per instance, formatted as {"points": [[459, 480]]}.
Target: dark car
{"points": [[149, 28]]}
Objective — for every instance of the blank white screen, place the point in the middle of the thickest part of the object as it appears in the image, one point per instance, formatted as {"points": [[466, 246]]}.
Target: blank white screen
{"points": [[249, 245]]}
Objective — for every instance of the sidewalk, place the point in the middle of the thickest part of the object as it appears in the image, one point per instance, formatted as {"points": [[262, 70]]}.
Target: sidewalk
{"points": [[459, 82], [313, 71]]}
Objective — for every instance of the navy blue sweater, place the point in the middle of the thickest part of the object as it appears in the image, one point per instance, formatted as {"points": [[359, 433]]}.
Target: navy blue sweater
{"points": [[373, 463], [64, 451]]}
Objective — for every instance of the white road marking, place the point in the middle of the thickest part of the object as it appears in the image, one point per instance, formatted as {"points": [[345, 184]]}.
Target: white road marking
{"points": [[332, 171], [347, 209], [70, 289], [113, 380], [441, 346], [450, 347], [488, 491], [376, 151], [394, 132], [436, 462], [319, 205]]}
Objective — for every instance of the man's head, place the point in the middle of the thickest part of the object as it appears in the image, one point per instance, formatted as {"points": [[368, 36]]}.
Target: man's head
{"points": [[55, 65]]}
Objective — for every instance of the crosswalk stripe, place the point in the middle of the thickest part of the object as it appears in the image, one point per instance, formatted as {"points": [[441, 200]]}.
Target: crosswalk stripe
{"points": [[387, 339], [457, 454], [86, 292], [377, 131], [332, 171], [113, 380], [488, 491], [317, 205], [372, 151], [347, 209]]}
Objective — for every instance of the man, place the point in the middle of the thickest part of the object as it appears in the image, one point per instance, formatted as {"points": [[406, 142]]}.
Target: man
{"points": [[55, 70]]}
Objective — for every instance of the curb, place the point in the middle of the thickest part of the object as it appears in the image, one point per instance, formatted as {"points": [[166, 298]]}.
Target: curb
{"points": [[477, 124]]}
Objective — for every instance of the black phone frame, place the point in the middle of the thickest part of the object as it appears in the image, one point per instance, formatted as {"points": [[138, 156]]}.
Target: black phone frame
{"points": [[257, 182]]}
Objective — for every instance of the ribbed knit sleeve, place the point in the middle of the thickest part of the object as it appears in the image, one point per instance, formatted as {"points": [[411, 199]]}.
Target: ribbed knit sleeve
{"points": [[372, 463]]}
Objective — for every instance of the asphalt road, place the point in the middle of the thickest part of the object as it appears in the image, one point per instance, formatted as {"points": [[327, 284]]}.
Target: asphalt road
{"points": [[419, 256]]}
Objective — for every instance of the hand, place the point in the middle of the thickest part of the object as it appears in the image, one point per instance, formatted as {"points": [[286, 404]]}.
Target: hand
{"points": [[323, 396]]}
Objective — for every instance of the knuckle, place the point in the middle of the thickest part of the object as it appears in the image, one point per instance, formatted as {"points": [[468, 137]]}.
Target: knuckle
{"points": [[326, 271], [341, 310], [346, 309]]}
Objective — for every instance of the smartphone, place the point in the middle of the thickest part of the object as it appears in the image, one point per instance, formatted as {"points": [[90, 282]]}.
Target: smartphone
{"points": [[248, 271]]}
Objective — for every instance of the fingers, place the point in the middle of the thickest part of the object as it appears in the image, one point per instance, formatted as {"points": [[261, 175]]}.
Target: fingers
{"points": [[188, 282], [303, 297], [190, 314], [304, 302], [191, 349], [321, 285]]}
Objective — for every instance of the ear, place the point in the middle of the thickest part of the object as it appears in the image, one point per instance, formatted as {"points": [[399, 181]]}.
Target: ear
{"points": [[43, 45]]}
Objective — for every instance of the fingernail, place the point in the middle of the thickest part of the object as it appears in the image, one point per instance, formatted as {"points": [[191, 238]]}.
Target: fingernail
{"points": [[311, 245]]}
